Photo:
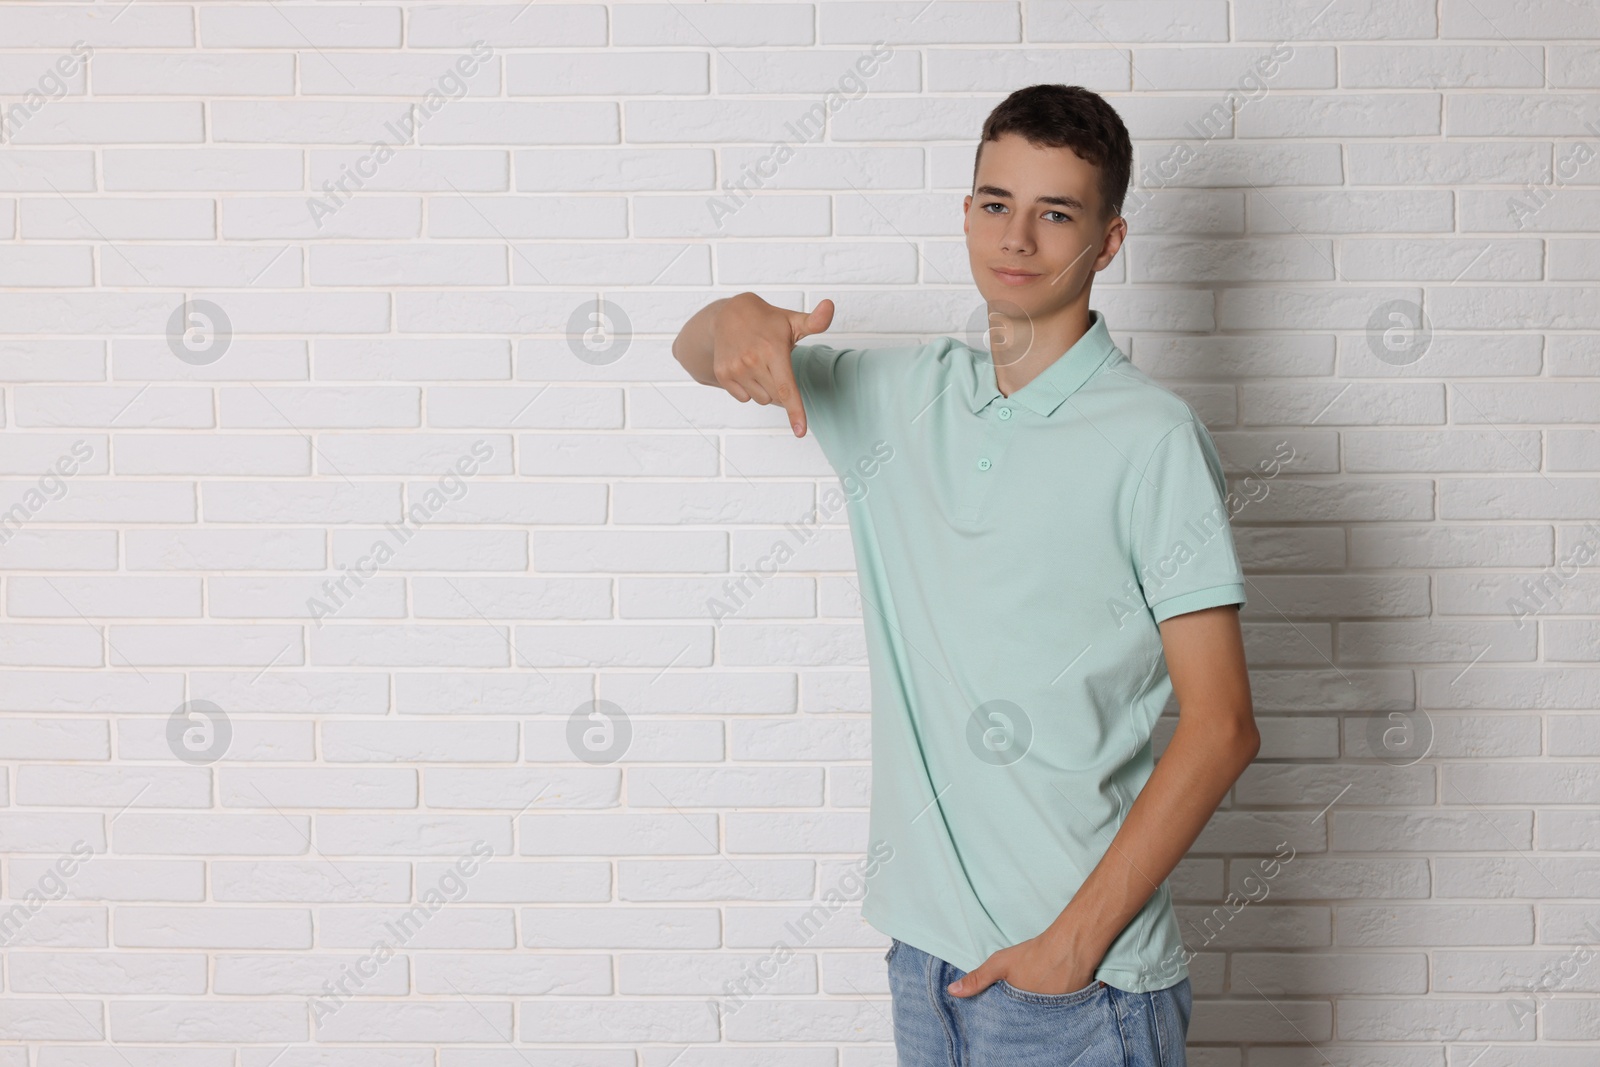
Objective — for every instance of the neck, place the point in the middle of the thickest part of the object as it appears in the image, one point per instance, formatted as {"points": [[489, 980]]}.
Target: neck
{"points": [[1023, 348]]}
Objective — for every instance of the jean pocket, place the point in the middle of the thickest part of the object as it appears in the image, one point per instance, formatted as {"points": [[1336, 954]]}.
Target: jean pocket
{"points": [[1058, 1000], [894, 945]]}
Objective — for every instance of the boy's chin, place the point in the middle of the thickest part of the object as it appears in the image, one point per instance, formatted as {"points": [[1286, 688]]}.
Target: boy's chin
{"points": [[1022, 303]]}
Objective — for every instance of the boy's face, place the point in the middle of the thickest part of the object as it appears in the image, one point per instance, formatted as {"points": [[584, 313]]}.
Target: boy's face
{"points": [[1036, 211]]}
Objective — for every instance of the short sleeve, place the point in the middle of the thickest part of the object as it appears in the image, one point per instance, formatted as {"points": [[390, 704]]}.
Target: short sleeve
{"points": [[1183, 551], [831, 390]]}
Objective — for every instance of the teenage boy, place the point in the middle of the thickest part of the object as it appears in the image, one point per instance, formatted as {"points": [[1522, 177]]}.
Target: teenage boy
{"points": [[1045, 558]]}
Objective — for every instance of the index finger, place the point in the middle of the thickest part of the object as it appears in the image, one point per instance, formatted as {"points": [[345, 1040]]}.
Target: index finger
{"points": [[776, 376]]}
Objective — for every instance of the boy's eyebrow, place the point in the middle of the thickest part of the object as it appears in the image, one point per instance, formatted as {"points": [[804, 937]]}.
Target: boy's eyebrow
{"points": [[1064, 201]]}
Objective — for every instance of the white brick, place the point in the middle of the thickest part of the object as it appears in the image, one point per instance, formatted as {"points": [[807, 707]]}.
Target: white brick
{"points": [[453, 925], [107, 972], [114, 122], [177, 74], [1292, 19], [67, 786], [318, 880], [619, 74], [257, 787], [330, 73], [1289, 65], [305, 974], [571, 169], [719, 25], [820, 71], [1354, 212], [467, 1022], [1558, 20], [202, 264], [434, 265], [1469, 161], [112, 218], [1435, 67], [379, 358], [542, 26], [522, 973], [202, 169], [213, 927], [202, 835], [285, 218], [216, 1021], [349, 26], [51, 832], [902, 23], [56, 266], [59, 26], [480, 122], [1163, 20], [516, 789], [1344, 115], [55, 1019], [253, 739], [436, 742], [1520, 114], [109, 878]]}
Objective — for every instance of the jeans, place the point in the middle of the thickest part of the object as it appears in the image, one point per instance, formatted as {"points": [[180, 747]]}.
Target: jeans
{"points": [[1003, 1026]]}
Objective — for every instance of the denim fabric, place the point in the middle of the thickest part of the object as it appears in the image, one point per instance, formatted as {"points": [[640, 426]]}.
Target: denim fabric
{"points": [[1003, 1026]]}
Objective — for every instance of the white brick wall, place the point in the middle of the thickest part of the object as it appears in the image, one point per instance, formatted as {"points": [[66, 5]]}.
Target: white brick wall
{"points": [[389, 844]]}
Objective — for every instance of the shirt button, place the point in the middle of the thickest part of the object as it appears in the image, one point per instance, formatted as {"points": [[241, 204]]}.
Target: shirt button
{"points": [[1005, 413], [984, 464]]}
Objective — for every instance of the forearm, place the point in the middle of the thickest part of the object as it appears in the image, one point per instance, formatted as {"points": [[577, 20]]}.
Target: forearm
{"points": [[1195, 772], [693, 345]]}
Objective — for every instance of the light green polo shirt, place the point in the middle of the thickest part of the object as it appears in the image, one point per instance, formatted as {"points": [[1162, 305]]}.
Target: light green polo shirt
{"points": [[1015, 555]]}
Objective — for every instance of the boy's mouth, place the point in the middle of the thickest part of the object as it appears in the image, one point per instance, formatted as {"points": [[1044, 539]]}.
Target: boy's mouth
{"points": [[1010, 276]]}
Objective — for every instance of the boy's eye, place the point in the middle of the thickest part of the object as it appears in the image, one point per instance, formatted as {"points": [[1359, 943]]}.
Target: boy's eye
{"points": [[1064, 217]]}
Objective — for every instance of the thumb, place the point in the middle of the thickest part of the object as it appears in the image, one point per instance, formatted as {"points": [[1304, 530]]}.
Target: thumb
{"points": [[973, 981], [816, 320]]}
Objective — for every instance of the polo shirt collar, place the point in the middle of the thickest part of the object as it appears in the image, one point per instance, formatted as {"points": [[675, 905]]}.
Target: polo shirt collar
{"points": [[1055, 383]]}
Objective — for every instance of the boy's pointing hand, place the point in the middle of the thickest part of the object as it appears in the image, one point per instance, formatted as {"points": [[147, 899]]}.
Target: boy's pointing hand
{"points": [[752, 346]]}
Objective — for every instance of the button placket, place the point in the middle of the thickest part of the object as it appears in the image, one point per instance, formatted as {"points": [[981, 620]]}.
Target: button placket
{"points": [[997, 434]]}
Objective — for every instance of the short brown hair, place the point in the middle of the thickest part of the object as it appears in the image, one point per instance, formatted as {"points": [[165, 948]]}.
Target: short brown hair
{"points": [[1068, 116]]}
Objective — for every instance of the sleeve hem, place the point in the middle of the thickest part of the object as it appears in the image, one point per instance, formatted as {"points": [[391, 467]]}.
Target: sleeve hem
{"points": [[1215, 596]]}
